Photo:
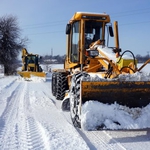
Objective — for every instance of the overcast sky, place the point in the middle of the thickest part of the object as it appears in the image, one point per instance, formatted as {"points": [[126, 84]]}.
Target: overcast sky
{"points": [[44, 21]]}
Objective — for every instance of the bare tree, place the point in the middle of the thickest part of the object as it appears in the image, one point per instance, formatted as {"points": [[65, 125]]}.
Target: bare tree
{"points": [[10, 43]]}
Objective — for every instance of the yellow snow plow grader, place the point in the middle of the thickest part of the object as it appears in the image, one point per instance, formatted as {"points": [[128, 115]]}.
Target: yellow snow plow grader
{"points": [[30, 67], [93, 70]]}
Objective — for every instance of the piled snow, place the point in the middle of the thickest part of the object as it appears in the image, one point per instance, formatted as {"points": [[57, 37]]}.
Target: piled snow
{"points": [[138, 76], [97, 115], [110, 54], [33, 78], [135, 77], [1, 75]]}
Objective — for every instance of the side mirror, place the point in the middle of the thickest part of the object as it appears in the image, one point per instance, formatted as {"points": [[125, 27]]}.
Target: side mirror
{"points": [[68, 28], [111, 31]]}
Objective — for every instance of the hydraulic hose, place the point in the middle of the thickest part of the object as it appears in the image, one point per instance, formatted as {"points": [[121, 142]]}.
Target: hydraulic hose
{"points": [[133, 59]]}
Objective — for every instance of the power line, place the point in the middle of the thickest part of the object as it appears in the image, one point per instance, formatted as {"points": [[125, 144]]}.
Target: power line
{"points": [[44, 24], [45, 32], [131, 11], [59, 22], [135, 23], [130, 14], [63, 31], [49, 25]]}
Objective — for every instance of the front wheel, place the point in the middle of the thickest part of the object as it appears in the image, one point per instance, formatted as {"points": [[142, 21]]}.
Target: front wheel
{"points": [[75, 100]]}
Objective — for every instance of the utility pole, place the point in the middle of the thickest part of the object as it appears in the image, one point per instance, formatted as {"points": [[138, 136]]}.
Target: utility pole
{"points": [[51, 55], [148, 53]]}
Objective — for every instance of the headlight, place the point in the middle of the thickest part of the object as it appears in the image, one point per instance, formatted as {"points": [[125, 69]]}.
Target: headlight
{"points": [[92, 53]]}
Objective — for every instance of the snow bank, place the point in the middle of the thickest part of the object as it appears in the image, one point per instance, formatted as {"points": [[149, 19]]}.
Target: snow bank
{"points": [[138, 76], [135, 77], [97, 115], [38, 79], [33, 78], [6, 81]]}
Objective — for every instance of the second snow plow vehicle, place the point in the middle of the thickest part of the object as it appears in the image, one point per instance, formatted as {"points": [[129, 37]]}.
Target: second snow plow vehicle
{"points": [[92, 68], [30, 65]]}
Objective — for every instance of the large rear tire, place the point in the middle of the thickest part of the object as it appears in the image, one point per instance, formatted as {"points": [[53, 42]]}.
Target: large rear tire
{"points": [[61, 85]]}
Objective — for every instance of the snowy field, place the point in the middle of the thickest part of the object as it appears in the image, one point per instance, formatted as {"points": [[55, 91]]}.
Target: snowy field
{"points": [[30, 119]]}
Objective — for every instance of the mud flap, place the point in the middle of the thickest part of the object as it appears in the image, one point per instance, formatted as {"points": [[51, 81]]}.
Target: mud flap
{"points": [[128, 93]]}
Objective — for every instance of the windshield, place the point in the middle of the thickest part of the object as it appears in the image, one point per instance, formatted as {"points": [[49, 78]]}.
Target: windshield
{"points": [[31, 59], [93, 32]]}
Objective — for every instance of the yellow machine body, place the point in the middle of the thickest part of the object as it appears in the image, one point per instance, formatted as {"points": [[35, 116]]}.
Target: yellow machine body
{"points": [[125, 62], [88, 51]]}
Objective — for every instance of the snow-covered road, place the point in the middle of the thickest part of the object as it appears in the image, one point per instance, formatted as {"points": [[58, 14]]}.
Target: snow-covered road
{"points": [[31, 119]]}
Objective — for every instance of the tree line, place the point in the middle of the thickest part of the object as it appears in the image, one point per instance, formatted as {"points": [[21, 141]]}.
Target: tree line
{"points": [[142, 59], [48, 59]]}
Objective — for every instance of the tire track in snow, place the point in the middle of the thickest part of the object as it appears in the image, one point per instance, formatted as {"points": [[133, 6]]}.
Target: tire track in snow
{"points": [[34, 133], [37, 135], [101, 140], [18, 129], [8, 84], [21, 129], [10, 129], [5, 93], [42, 101], [96, 140]]}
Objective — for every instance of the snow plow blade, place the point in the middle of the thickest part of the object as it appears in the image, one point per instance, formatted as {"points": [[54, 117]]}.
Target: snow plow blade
{"points": [[127, 93], [31, 74]]}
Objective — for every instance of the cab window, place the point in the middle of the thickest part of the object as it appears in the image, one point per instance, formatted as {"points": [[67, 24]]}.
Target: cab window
{"points": [[75, 42], [93, 32]]}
